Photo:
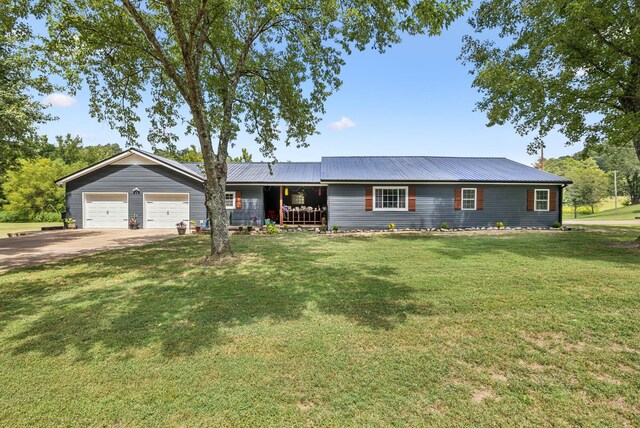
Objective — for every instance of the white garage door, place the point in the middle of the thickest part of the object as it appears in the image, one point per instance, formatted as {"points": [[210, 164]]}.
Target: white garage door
{"points": [[106, 210], [163, 211]]}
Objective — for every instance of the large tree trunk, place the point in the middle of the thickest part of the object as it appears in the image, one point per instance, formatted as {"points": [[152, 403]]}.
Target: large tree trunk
{"points": [[636, 145], [217, 211], [215, 166]]}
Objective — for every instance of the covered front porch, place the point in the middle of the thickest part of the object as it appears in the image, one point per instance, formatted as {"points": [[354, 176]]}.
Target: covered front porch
{"points": [[296, 205]]}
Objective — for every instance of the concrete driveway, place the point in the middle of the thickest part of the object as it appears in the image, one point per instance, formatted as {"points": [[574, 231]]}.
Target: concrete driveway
{"points": [[43, 247]]}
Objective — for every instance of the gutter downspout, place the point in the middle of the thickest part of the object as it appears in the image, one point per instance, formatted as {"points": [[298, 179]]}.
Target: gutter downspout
{"points": [[561, 201]]}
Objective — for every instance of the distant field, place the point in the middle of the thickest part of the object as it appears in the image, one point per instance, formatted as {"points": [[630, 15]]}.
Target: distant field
{"points": [[22, 227], [624, 213], [604, 205]]}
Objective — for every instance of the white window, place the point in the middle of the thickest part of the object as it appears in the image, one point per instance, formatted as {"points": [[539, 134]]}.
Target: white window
{"points": [[469, 199], [230, 200], [297, 199], [390, 198], [542, 200]]}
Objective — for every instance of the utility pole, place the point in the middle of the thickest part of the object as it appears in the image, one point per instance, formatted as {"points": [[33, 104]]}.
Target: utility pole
{"points": [[615, 188]]}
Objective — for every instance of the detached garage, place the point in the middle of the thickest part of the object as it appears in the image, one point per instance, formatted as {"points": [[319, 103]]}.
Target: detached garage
{"points": [[164, 210], [105, 210]]}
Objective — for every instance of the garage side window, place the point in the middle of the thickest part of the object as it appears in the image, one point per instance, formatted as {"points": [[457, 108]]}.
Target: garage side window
{"points": [[542, 200], [469, 199], [230, 200]]}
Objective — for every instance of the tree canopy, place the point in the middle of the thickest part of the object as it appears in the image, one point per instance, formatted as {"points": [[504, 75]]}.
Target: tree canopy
{"points": [[19, 112], [217, 66], [572, 66]]}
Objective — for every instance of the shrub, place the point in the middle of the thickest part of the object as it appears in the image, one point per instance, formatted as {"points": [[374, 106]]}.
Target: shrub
{"points": [[556, 224], [392, 226], [272, 229], [335, 227], [500, 225], [444, 225], [323, 228], [48, 217], [626, 202], [6, 217]]}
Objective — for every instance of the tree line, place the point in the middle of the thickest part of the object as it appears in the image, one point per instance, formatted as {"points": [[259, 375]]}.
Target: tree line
{"points": [[593, 175], [27, 183]]}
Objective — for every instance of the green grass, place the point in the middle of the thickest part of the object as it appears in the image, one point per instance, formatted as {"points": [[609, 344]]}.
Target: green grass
{"points": [[520, 329], [22, 227], [624, 213]]}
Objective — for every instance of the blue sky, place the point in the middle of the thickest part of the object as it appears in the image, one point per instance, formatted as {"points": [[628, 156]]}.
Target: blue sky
{"points": [[415, 99]]}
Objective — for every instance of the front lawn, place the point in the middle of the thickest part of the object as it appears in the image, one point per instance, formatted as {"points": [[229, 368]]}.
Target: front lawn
{"points": [[22, 227], [511, 329]]}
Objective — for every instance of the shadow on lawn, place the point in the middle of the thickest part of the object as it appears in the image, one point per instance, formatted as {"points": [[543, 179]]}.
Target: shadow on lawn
{"points": [[131, 299], [583, 246]]}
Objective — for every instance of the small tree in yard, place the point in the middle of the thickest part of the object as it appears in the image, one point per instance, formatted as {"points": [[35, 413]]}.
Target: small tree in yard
{"points": [[218, 65], [589, 185]]}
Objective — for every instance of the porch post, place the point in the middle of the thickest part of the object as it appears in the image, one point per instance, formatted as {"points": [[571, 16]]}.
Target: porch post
{"points": [[280, 206]]}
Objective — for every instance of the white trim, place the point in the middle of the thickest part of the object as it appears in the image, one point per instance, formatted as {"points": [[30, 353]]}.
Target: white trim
{"points": [[234, 199], [535, 199], [144, 205], [406, 198], [84, 206], [116, 158], [475, 199]]}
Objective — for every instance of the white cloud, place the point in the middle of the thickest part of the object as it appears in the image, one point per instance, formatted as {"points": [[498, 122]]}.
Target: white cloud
{"points": [[59, 100], [343, 123]]}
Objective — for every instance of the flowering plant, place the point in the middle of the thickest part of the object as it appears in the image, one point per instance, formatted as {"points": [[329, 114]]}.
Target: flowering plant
{"points": [[133, 220], [254, 220], [181, 225]]}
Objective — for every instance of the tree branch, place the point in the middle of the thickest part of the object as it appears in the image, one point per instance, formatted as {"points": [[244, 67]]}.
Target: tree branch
{"points": [[155, 44]]}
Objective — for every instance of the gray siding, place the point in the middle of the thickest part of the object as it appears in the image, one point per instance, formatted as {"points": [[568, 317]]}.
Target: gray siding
{"points": [[434, 205], [252, 204], [124, 178]]}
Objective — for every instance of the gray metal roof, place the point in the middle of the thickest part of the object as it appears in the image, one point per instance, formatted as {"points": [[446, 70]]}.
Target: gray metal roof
{"points": [[258, 172], [432, 168]]}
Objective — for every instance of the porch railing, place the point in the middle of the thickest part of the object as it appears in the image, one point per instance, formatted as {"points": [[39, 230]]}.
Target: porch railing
{"points": [[303, 217]]}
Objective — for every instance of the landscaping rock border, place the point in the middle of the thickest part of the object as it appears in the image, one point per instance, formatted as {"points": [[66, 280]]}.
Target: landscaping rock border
{"points": [[318, 231]]}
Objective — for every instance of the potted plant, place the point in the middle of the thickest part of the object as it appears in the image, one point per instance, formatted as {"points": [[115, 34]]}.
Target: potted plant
{"points": [[254, 221], [133, 222], [241, 227], [182, 228], [70, 223]]}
